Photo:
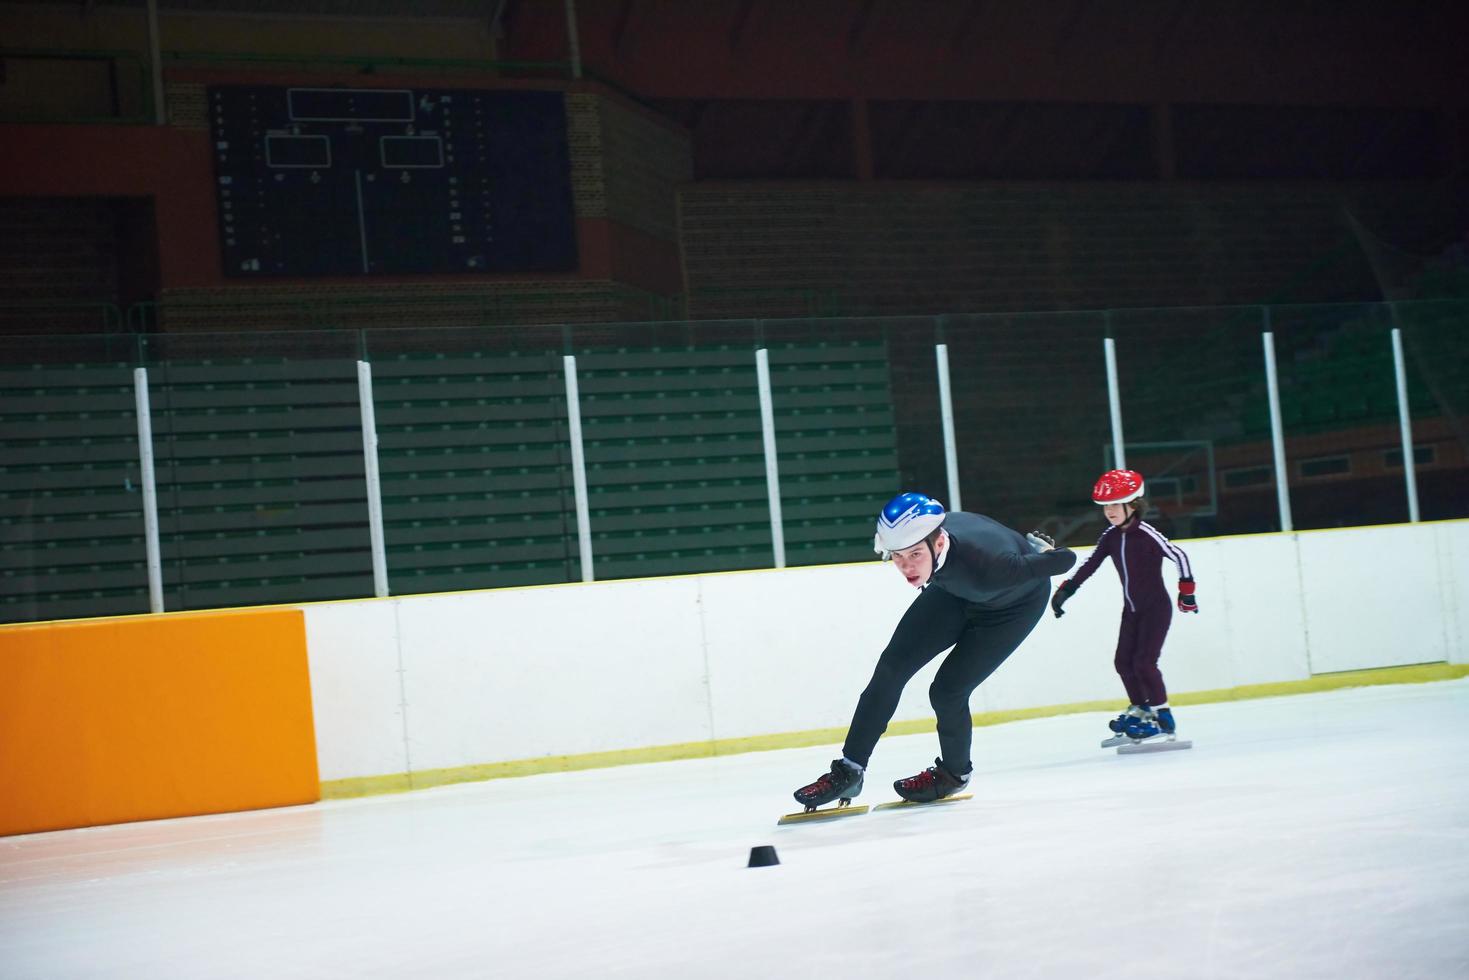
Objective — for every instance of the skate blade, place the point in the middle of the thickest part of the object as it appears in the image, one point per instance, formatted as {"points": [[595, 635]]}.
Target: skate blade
{"points": [[830, 813], [899, 804], [1162, 745], [1114, 741]]}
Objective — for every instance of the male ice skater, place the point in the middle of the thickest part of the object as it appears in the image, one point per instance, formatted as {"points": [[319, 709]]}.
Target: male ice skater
{"points": [[983, 587]]}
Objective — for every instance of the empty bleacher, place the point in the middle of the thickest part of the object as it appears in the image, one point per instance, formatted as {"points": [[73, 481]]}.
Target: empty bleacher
{"points": [[261, 487]]}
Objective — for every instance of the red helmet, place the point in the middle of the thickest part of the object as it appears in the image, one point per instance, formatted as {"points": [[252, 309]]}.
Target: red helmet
{"points": [[1118, 487]]}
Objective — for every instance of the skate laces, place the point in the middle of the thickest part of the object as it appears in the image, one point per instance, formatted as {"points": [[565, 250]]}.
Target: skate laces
{"points": [[923, 780], [935, 775], [827, 781], [824, 784]]}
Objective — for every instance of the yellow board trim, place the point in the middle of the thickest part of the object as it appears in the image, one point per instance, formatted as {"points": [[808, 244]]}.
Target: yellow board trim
{"points": [[337, 789]]}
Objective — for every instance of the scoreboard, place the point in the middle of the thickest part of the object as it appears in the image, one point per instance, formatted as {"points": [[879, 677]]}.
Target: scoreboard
{"points": [[363, 182]]}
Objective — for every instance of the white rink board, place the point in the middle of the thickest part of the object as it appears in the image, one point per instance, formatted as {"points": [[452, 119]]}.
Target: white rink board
{"points": [[1386, 604], [1453, 570], [1453, 573], [791, 650], [433, 682], [523, 673], [356, 688], [1251, 626], [1249, 630]]}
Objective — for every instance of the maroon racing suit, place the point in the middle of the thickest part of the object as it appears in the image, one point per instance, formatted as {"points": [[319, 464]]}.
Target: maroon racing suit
{"points": [[1137, 549]]}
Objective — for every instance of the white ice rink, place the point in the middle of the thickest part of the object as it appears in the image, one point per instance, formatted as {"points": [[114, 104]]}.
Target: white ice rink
{"points": [[1322, 835]]}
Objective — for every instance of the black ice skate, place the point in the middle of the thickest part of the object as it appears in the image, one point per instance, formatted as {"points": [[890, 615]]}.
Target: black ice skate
{"points": [[842, 783], [933, 783]]}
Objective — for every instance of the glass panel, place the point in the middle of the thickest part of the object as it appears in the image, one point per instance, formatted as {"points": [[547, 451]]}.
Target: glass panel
{"points": [[474, 460], [834, 390], [675, 461], [1436, 352], [1338, 402], [261, 492], [258, 446], [71, 508], [1031, 418], [1195, 415]]}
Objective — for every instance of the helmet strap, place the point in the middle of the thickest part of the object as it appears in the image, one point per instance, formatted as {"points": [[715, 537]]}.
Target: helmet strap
{"points": [[933, 556]]}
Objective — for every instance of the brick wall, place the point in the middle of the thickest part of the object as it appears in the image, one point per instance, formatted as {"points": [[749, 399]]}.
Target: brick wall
{"points": [[584, 145], [343, 306], [645, 161], [58, 265], [888, 248]]}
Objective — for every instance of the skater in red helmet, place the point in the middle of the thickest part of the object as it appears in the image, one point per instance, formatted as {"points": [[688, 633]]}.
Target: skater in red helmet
{"points": [[1137, 549], [982, 589]]}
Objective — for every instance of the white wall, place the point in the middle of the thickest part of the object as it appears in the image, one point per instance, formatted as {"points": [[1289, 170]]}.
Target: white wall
{"points": [[1451, 547], [433, 682], [1394, 608]]}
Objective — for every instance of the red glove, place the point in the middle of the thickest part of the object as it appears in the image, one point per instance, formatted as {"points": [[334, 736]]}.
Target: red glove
{"points": [[1186, 601]]}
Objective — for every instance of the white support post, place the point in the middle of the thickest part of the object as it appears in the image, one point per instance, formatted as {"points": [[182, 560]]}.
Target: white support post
{"points": [[1114, 402], [1405, 424], [1277, 430], [946, 411], [150, 490], [374, 481], [578, 469], [772, 465]]}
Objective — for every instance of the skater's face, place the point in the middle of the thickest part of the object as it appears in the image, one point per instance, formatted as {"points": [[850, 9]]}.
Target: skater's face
{"points": [[1116, 513], [916, 563]]}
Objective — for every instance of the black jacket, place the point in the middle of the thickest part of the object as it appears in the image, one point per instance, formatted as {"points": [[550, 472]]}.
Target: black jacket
{"points": [[993, 566]]}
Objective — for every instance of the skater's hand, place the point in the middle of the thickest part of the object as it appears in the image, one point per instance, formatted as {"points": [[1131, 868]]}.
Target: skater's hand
{"points": [[1041, 541], [1186, 601], [1064, 591]]}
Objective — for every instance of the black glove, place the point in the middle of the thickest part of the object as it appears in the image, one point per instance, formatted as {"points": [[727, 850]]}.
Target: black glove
{"points": [[1186, 601], [1064, 591], [1041, 541]]}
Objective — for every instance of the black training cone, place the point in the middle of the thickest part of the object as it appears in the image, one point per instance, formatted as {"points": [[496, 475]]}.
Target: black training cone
{"points": [[762, 856]]}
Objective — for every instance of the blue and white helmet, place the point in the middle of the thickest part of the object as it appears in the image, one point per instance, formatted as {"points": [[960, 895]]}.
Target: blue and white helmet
{"points": [[906, 520]]}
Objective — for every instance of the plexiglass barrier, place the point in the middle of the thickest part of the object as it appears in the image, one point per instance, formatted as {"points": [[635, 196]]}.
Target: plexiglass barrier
{"points": [[262, 470]]}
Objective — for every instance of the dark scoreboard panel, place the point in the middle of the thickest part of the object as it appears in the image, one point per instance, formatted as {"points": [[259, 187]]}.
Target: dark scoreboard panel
{"points": [[361, 182]]}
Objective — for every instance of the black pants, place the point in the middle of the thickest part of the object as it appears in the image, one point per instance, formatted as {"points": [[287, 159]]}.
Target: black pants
{"points": [[981, 638]]}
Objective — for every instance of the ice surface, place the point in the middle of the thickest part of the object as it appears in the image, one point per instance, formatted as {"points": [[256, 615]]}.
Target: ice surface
{"points": [[1321, 835]]}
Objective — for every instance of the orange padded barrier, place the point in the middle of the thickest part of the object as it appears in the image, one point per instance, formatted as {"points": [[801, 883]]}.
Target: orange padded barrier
{"points": [[111, 720]]}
